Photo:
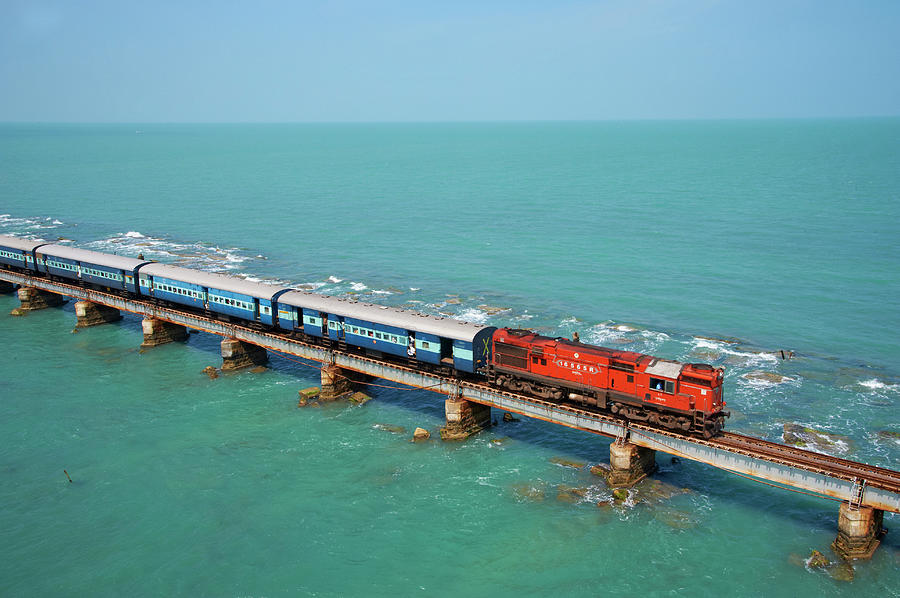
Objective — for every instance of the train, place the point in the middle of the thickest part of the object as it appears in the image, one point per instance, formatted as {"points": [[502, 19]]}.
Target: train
{"points": [[687, 398]]}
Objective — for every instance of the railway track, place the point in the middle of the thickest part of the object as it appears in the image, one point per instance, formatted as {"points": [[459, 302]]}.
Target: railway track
{"points": [[750, 446], [756, 448], [809, 460]]}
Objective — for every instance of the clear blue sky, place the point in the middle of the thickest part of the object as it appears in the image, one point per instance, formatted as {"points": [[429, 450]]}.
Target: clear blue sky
{"points": [[450, 60]]}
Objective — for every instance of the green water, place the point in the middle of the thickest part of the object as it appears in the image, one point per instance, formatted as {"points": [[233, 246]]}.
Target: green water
{"points": [[760, 235]]}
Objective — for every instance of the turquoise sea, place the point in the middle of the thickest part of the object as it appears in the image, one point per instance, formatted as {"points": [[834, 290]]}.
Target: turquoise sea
{"points": [[716, 241]]}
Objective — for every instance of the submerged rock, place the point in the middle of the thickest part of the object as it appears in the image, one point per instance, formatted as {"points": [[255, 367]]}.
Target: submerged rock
{"points": [[529, 491], [675, 519], [815, 440], [492, 310], [726, 340], [567, 463], [842, 572], [760, 376], [390, 428], [889, 434], [651, 490], [570, 495], [310, 393], [212, 372], [817, 560], [620, 494], [421, 434], [359, 398], [705, 355], [307, 395]]}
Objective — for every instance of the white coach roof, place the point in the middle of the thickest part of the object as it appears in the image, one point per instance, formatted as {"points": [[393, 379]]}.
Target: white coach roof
{"points": [[389, 316], [119, 262], [222, 282], [20, 243]]}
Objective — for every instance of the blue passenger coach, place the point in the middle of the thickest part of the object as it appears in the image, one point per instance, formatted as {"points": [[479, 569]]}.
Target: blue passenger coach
{"points": [[218, 293], [429, 339], [18, 252], [103, 269]]}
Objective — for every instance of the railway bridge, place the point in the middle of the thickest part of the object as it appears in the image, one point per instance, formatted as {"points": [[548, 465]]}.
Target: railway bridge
{"points": [[865, 491]]}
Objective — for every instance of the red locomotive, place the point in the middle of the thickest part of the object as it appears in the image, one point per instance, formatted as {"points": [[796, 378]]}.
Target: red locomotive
{"points": [[669, 394]]}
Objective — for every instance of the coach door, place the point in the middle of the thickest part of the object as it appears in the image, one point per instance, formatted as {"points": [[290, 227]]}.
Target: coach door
{"points": [[446, 351]]}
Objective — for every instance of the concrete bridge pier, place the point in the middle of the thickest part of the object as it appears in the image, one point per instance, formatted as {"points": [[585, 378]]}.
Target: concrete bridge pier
{"points": [[859, 532], [6, 288], [238, 354], [464, 418], [336, 382], [160, 332], [92, 314], [32, 299], [629, 464]]}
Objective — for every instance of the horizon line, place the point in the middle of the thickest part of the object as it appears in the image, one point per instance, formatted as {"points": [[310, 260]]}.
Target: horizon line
{"points": [[435, 122]]}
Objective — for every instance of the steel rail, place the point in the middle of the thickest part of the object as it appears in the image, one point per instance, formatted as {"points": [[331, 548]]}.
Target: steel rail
{"points": [[885, 478]]}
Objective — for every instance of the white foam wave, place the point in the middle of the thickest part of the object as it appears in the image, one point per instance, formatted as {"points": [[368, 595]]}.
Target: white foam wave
{"points": [[358, 286], [604, 334], [133, 234], [740, 358], [473, 315], [876, 384], [705, 343], [760, 380], [334, 279]]}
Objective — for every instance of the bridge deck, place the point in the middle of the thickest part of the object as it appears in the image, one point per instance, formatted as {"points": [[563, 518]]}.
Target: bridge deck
{"points": [[788, 466]]}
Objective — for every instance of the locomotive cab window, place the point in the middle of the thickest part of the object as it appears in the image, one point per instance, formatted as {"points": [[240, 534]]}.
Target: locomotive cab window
{"points": [[662, 385]]}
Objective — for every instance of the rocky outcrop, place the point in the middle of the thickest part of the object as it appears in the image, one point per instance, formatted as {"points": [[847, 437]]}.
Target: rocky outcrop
{"points": [[307, 396], [815, 440]]}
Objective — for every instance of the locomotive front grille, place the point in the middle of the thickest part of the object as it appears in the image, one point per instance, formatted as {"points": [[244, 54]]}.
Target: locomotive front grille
{"points": [[511, 355]]}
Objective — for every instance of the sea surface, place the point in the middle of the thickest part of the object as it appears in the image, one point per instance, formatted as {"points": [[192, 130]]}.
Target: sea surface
{"points": [[722, 242]]}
